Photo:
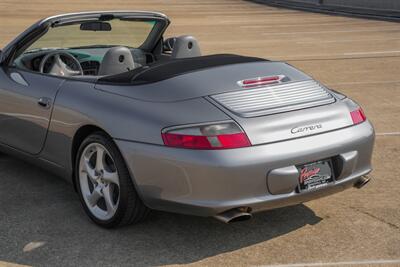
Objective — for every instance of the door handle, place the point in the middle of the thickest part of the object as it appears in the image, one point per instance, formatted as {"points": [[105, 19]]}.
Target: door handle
{"points": [[44, 102]]}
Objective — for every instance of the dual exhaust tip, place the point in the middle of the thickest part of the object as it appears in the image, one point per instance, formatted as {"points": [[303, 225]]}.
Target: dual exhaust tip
{"points": [[244, 213]]}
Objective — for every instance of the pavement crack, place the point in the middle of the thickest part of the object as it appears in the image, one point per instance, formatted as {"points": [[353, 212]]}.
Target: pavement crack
{"points": [[375, 217]]}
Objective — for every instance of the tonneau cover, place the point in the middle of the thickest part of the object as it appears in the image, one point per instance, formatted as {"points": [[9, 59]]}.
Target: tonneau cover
{"points": [[203, 82], [174, 67]]}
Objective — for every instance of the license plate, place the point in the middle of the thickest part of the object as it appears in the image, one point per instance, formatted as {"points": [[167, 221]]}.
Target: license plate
{"points": [[315, 175]]}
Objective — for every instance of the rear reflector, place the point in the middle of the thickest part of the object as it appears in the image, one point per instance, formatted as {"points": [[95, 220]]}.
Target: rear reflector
{"points": [[208, 137], [358, 116]]}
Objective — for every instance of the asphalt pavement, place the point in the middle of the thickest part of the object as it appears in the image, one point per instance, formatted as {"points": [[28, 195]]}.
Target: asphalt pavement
{"points": [[42, 222]]}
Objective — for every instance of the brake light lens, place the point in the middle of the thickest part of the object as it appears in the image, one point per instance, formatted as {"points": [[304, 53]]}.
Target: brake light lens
{"points": [[207, 137], [358, 116], [261, 81]]}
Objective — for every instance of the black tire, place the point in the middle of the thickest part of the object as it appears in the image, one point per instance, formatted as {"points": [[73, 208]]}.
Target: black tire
{"points": [[130, 208]]}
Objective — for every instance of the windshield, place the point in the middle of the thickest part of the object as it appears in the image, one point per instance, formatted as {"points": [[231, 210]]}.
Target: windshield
{"points": [[117, 33]]}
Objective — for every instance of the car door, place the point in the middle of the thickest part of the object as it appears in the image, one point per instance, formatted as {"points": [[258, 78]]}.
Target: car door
{"points": [[27, 97], [26, 101]]}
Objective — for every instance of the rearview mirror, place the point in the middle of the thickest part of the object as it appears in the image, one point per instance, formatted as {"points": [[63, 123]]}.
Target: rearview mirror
{"points": [[169, 44], [96, 26]]}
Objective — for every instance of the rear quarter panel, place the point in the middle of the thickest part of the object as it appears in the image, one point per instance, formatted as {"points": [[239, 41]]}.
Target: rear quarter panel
{"points": [[79, 103]]}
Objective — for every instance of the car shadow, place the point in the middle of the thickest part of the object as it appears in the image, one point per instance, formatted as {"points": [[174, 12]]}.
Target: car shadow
{"points": [[44, 209], [187, 239]]}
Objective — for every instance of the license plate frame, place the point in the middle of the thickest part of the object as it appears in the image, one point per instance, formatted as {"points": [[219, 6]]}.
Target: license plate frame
{"points": [[315, 175]]}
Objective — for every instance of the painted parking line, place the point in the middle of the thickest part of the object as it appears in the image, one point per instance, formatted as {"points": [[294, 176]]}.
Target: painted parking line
{"points": [[334, 57], [304, 24], [339, 56], [344, 263], [397, 29], [363, 82], [389, 134], [371, 53], [346, 40]]}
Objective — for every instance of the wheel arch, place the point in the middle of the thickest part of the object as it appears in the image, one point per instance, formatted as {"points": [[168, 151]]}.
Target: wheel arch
{"points": [[136, 213], [81, 134]]}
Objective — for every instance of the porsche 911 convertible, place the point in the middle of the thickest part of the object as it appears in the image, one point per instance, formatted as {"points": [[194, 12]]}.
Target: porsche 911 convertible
{"points": [[138, 122]]}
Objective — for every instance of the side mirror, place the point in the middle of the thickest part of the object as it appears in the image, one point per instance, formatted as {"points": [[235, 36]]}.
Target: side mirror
{"points": [[169, 44]]}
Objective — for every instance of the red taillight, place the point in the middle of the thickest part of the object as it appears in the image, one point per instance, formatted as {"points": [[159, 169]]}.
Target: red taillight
{"points": [[358, 116], [186, 141], [218, 136], [233, 140]]}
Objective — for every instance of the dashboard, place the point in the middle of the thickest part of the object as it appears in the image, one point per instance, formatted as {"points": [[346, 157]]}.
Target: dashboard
{"points": [[89, 59]]}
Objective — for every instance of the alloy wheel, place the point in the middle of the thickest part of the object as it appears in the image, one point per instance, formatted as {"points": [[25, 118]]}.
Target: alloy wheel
{"points": [[99, 181]]}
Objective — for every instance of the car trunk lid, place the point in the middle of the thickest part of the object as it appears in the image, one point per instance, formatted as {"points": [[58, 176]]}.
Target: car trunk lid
{"points": [[273, 126], [275, 98]]}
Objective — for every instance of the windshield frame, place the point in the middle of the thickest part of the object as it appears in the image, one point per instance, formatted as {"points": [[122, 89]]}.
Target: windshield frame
{"points": [[19, 45], [123, 32]]}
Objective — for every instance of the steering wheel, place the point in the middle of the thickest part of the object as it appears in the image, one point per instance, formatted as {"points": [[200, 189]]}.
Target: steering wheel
{"points": [[59, 67]]}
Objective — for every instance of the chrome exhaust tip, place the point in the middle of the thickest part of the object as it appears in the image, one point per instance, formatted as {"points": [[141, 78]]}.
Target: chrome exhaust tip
{"points": [[362, 182], [235, 215]]}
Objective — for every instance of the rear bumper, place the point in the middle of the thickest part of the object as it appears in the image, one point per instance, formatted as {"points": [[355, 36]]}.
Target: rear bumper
{"points": [[207, 183]]}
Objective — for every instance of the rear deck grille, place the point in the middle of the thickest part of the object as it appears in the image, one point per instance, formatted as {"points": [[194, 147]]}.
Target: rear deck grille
{"points": [[275, 98]]}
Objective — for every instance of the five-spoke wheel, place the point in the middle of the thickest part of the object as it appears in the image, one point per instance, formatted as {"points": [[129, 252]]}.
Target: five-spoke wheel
{"points": [[99, 181], [104, 184]]}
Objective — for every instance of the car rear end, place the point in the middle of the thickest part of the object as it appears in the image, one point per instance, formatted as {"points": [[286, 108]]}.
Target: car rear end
{"points": [[287, 139], [259, 177]]}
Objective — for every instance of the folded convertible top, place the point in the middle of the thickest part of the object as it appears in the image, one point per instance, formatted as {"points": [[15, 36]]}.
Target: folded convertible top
{"points": [[167, 69]]}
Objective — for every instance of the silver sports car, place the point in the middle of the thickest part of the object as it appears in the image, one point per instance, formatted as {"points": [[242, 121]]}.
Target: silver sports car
{"points": [[136, 122]]}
